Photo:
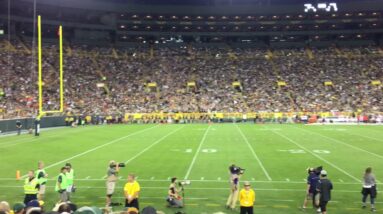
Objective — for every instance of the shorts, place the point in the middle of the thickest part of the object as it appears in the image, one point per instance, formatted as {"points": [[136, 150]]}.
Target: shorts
{"points": [[134, 204], [64, 197], [29, 197], [323, 205], [110, 186], [69, 189], [42, 189]]}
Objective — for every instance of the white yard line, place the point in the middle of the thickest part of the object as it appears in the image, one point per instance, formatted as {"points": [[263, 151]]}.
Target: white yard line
{"points": [[341, 142], [97, 147], [199, 188], [317, 156], [203, 181], [162, 198], [15, 144], [196, 153], [368, 137], [153, 144], [33, 138], [254, 154]]}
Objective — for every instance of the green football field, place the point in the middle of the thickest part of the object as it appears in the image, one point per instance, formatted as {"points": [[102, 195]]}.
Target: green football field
{"points": [[275, 158]]}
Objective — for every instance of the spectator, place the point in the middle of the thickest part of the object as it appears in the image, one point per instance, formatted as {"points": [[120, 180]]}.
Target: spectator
{"points": [[369, 188], [131, 192], [247, 199], [324, 189]]}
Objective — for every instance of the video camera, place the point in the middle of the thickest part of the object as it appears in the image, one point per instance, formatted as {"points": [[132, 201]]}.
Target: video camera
{"points": [[113, 165], [184, 183], [236, 170], [316, 170]]}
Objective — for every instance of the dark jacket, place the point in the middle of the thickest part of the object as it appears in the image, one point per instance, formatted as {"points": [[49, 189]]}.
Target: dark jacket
{"points": [[324, 187]]}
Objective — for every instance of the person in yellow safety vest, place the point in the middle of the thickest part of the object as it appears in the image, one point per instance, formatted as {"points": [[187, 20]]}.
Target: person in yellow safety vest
{"points": [[70, 177], [62, 185], [31, 187], [41, 177], [247, 199]]}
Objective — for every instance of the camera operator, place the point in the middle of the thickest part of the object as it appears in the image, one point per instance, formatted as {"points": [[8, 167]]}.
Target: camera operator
{"points": [[111, 180], [174, 199], [235, 174], [312, 181]]}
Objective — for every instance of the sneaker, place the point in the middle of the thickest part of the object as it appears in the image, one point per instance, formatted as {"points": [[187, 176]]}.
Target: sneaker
{"points": [[364, 206], [319, 210], [373, 210]]}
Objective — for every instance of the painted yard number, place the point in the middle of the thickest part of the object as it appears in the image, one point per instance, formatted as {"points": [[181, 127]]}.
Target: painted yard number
{"points": [[203, 150], [209, 150], [301, 151]]}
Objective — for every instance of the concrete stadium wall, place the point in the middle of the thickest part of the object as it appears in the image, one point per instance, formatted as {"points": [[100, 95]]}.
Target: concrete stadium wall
{"points": [[46, 122]]}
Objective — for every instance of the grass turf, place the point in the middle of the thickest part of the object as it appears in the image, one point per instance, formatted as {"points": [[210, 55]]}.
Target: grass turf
{"points": [[275, 158]]}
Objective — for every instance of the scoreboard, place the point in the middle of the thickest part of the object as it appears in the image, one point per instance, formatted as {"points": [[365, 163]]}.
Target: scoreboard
{"points": [[320, 7]]}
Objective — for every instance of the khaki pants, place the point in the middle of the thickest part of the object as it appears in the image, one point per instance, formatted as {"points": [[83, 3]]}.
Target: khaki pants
{"points": [[233, 198]]}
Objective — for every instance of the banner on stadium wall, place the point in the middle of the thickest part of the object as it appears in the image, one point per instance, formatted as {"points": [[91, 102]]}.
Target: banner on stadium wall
{"points": [[376, 82], [231, 115], [137, 116], [281, 83], [219, 115], [328, 83]]}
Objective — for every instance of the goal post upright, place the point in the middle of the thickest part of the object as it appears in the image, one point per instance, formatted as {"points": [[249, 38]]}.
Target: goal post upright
{"points": [[40, 75], [61, 69], [39, 67]]}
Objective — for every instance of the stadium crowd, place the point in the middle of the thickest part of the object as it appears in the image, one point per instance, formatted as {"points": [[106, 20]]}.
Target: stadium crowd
{"points": [[127, 77]]}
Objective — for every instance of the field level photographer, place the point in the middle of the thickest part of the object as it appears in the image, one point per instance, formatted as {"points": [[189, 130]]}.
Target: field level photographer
{"points": [[111, 180], [174, 198], [235, 174]]}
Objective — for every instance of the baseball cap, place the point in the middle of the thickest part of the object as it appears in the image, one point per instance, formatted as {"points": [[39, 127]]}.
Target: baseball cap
{"points": [[88, 210], [149, 210], [33, 203], [323, 172], [18, 207], [246, 183]]}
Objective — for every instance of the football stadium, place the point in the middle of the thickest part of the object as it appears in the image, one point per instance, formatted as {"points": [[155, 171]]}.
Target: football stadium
{"points": [[191, 106]]}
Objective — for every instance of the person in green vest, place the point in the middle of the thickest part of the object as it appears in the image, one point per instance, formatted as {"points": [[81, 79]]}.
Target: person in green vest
{"points": [[62, 185], [70, 178], [41, 176], [31, 187]]}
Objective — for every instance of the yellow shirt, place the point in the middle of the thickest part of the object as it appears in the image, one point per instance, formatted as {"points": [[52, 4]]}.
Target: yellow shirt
{"points": [[132, 188], [246, 198]]}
